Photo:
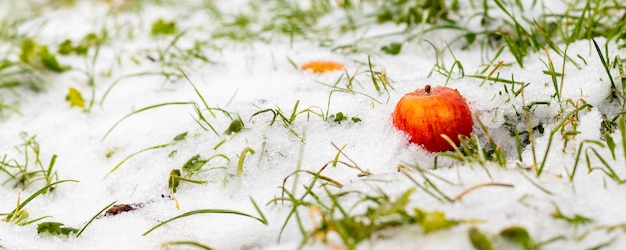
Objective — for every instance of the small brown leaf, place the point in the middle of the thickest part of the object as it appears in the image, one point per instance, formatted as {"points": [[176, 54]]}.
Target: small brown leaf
{"points": [[119, 208]]}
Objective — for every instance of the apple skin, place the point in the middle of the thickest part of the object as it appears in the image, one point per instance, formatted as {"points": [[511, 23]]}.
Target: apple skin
{"points": [[426, 114]]}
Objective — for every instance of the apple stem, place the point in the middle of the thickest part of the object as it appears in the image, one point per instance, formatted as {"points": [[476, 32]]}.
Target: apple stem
{"points": [[427, 89]]}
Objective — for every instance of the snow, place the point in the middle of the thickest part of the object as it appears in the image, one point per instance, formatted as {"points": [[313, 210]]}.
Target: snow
{"points": [[253, 76]]}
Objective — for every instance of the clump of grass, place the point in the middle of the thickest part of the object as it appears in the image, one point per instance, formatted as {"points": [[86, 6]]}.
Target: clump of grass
{"points": [[520, 35], [331, 216], [170, 56], [322, 199], [199, 109], [595, 149], [289, 118], [31, 169], [195, 165], [290, 20], [346, 84], [192, 167], [81, 47], [471, 149], [174, 54], [25, 62], [440, 66], [539, 168], [413, 12], [34, 62], [239, 26], [19, 215], [38, 57]]}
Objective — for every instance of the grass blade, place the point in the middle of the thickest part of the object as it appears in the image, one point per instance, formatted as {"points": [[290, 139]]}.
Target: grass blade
{"points": [[197, 92], [206, 211], [606, 68], [93, 218], [34, 195], [189, 243], [242, 158], [136, 153], [141, 110]]}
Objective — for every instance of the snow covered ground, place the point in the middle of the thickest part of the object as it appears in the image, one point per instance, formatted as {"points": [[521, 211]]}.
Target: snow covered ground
{"points": [[255, 79]]}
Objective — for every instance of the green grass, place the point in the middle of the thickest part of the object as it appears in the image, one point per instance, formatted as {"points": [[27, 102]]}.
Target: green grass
{"points": [[23, 173], [261, 218], [19, 215], [336, 217]]}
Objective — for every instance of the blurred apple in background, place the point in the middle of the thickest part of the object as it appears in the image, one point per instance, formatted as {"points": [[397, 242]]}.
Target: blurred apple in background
{"points": [[322, 66]]}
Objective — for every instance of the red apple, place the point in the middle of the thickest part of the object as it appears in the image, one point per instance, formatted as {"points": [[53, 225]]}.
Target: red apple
{"points": [[427, 114]]}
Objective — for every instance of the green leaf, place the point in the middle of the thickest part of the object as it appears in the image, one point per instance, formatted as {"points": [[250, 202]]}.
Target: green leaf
{"points": [[193, 164], [338, 118], [354, 229], [55, 228], [162, 27], [392, 48], [66, 48], [234, 127], [174, 180], [479, 240], [27, 50], [470, 37], [38, 56], [50, 61], [88, 41], [75, 98], [433, 221], [172, 153], [390, 208], [518, 235], [180, 136]]}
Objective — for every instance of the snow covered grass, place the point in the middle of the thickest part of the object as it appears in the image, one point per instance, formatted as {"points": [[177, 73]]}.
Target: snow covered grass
{"points": [[190, 124]]}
